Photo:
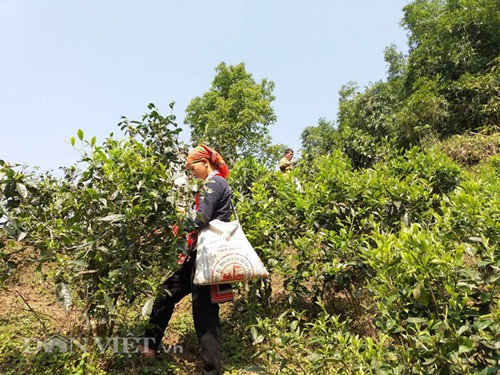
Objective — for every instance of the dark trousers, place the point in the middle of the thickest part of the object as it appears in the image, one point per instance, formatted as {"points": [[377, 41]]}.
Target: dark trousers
{"points": [[205, 314]]}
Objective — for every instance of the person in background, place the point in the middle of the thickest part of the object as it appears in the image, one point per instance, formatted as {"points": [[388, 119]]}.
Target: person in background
{"points": [[212, 202], [287, 163]]}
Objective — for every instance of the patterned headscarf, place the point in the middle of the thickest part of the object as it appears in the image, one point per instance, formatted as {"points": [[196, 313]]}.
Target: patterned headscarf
{"points": [[203, 152]]}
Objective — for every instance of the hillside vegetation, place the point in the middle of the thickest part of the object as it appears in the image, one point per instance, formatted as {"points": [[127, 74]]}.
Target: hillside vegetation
{"points": [[382, 244]]}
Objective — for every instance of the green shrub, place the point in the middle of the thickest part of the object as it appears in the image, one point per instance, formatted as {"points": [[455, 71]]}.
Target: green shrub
{"points": [[290, 344], [97, 224]]}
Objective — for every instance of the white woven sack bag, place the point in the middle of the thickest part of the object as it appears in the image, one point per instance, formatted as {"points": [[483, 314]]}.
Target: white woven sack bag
{"points": [[224, 255]]}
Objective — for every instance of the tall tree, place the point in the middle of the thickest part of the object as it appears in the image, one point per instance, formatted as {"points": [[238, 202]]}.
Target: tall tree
{"points": [[448, 38], [234, 115], [319, 140], [448, 83], [366, 120], [453, 76]]}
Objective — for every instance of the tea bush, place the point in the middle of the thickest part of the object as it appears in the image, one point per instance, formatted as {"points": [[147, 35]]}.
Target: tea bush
{"points": [[291, 344], [269, 216], [388, 269], [97, 224], [409, 246]]}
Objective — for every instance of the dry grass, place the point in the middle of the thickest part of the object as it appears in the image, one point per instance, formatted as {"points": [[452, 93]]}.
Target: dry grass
{"points": [[472, 149]]}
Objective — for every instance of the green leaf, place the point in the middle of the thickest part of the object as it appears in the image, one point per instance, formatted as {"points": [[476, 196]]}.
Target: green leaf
{"points": [[93, 141], [256, 336], [80, 134], [416, 320], [466, 345], [476, 239], [113, 218], [255, 369], [284, 363], [108, 302], [482, 324], [72, 141], [421, 295], [430, 361], [78, 263]]}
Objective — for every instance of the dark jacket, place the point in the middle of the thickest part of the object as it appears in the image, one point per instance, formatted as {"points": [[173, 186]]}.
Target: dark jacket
{"points": [[214, 202]]}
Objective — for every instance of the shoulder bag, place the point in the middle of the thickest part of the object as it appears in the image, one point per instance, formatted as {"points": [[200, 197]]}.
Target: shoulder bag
{"points": [[224, 255]]}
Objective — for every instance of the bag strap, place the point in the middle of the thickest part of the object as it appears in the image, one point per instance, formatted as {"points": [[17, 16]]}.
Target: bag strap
{"points": [[234, 212]]}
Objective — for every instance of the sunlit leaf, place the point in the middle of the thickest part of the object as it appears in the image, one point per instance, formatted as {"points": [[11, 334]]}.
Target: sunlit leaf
{"points": [[22, 236], [22, 190], [476, 239], [482, 324], [416, 320], [148, 306], [467, 344], [113, 218], [257, 338]]}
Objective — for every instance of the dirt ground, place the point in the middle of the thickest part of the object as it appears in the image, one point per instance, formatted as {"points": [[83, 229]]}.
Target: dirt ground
{"points": [[28, 304]]}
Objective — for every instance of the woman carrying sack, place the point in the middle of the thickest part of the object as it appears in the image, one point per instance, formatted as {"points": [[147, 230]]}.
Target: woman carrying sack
{"points": [[212, 202]]}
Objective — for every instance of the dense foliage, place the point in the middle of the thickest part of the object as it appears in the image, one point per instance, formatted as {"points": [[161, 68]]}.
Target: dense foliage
{"points": [[97, 224], [393, 269], [234, 115], [448, 83]]}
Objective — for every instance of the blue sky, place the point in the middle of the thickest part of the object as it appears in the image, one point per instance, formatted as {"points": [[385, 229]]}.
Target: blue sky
{"points": [[82, 64]]}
